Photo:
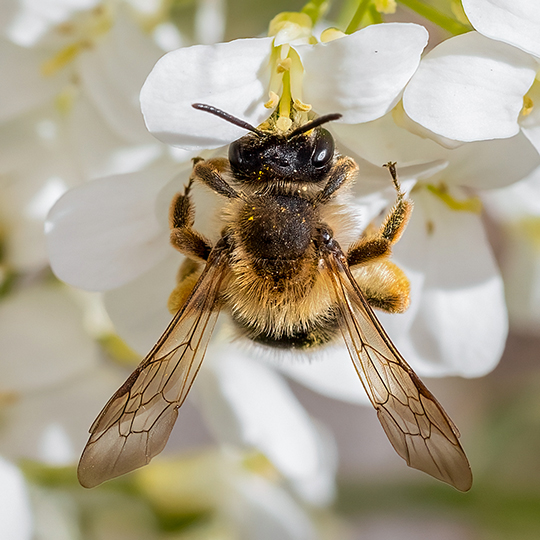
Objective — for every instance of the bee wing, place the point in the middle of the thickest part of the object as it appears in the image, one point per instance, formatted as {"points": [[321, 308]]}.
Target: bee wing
{"points": [[415, 423], [135, 424]]}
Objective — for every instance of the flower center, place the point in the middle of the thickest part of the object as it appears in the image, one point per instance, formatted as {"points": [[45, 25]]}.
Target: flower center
{"points": [[287, 71], [83, 30]]}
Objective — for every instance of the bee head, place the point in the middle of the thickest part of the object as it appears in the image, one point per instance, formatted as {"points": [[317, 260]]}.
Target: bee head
{"points": [[306, 154]]}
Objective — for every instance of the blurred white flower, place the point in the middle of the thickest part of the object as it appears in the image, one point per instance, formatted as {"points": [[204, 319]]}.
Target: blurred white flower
{"points": [[67, 116], [53, 379], [481, 85], [16, 522], [516, 211]]}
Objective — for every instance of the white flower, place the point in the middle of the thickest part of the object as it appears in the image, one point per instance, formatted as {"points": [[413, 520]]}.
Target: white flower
{"points": [[456, 324], [349, 76], [479, 85], [53, 382], [516, 209], [15, 512], [66, 116]]}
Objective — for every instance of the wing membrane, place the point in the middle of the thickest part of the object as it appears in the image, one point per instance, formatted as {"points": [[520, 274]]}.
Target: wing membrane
{"points": [[415, 423], [135, 424]]}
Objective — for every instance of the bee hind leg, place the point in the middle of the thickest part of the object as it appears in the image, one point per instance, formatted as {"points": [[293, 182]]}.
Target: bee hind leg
{"points": [[384, 285], [187, 277]]}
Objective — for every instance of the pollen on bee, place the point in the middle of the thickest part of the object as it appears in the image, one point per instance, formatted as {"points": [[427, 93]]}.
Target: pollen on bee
{"points": [[250, 218]]}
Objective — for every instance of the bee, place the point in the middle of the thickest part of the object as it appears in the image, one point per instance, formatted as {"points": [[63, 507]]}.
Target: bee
{"points": [[280, 272]]}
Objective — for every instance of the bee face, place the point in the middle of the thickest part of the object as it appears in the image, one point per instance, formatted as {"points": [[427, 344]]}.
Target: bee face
{"points": [[305, 157]]}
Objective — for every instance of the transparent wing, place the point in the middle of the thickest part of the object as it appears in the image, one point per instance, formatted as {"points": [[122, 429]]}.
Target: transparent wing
{"points": [[415, 423], [135, 424]]}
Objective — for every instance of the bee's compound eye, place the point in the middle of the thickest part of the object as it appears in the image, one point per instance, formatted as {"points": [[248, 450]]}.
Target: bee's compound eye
{"points": [[236, 157], [324, 149]]}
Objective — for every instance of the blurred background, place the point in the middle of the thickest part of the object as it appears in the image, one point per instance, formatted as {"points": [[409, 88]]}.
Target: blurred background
{"points": [[197, 489]]}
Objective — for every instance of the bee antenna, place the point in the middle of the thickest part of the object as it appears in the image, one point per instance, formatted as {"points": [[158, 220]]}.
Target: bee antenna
{"points": [[314, 123], [226, 116]]}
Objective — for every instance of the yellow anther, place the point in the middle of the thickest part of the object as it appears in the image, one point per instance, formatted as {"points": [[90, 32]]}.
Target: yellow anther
{"points": [[301, 106], [331, 34], [61, 59], [273, 101], [284, 65], [528, 106], [385, 6]]}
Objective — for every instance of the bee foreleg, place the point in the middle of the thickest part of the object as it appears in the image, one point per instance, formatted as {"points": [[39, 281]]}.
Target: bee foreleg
{"points": [[183, 237], [209, 172], [344, 172]]}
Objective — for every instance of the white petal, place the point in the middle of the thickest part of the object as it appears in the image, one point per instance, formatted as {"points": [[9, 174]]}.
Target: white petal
{"points": [[24, 87], [58, 348], [245, 402], [28, 21], [52, 425], [520, 268], [530, 124], [232, 76], [381, 141], [126, 50], [516, 22], [264, 511], [105, 233], [330, 373], [461, 324], [491, 164], [362, 75], [138, 309], [16, 521], [470, 88]]}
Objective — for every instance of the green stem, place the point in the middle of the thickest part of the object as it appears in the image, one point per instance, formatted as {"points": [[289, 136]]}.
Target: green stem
{"points": [[432, 14], [315, 9], [358, 16], [376, 17]]}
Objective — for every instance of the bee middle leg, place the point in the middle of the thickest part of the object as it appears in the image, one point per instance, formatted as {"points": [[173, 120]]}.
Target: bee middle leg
{"points": [[384, 284]]}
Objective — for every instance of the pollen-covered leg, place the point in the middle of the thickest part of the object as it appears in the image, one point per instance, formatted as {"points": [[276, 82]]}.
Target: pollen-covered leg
{"points": [[183, 237], [187, 276], [384, 285], [373, 246]]}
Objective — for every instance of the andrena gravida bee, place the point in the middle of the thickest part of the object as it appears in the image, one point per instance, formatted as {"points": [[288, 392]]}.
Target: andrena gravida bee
{"points": [[281, 273]]}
